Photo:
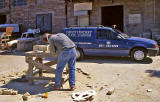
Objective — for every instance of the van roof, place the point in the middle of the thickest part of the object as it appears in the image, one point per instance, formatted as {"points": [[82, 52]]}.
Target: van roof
{"points": [[89, 28]]}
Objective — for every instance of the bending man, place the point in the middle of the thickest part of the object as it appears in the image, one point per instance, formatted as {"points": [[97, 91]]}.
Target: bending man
{"points": [[66, 55]]}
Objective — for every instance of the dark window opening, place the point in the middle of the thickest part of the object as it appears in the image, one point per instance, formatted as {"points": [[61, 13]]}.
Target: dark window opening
{"points": [[19, 2], [3, 19], [105, 34], [112, 16], [30, 36]]}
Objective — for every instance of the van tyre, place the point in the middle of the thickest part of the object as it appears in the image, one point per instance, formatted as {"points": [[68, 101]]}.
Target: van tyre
{"points": [[138, 54], [79, 55]]}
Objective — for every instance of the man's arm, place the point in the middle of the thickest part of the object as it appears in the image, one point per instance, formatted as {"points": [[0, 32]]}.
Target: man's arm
{"points": [[52, 47]]}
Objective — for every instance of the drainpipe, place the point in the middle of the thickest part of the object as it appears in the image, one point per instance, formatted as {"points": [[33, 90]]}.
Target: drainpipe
{"points": [[66, 12], [10, 8], [154, 12]]}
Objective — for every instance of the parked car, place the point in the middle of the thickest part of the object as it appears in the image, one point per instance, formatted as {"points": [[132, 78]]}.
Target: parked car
{"points": [[31, 34], [106, 41]]}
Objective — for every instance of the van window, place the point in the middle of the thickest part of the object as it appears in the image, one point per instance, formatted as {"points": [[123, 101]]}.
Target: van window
{"points": [[105, 34], [30, 36], [23, 35]]}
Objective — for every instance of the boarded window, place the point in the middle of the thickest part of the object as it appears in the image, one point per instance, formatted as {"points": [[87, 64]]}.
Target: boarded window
{"points": [[83, 21], [2, 4], [19, 2]]}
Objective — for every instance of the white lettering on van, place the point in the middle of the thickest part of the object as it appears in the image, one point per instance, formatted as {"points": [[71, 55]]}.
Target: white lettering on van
{"points": [[101, 45], [79, 33], [84, 33]]}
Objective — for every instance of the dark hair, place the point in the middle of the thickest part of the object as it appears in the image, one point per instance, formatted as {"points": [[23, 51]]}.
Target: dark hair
{"points": [[44, 38]]}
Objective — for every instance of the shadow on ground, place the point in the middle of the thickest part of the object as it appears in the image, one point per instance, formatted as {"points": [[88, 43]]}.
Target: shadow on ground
{"points": [[153, 73], [12, 53], [23, 87], [118, 60]]}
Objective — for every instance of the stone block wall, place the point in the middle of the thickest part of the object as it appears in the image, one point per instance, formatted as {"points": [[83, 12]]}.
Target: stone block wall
{"points": [[26, 15]]}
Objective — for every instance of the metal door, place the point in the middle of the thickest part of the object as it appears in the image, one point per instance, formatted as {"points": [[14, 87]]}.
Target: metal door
{"points": [[44, 22]]}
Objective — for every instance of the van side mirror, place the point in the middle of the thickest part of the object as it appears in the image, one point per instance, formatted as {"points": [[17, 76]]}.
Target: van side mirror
{"points": [[119, 38]]}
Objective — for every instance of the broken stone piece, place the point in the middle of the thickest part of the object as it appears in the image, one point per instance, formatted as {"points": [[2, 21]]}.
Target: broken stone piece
{"points": [[7, 92], [149, 90], [1, 92], [89, 77], [11, 76], [90, 86], [26, 96], [110, 91], [101, 88], [5, 81], [14, 92]]}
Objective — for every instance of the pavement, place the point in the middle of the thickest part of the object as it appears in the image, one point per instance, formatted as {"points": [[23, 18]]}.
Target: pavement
{"points": [[130, 80]]}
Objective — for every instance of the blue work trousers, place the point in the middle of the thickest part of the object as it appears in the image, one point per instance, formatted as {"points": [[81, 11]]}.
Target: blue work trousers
{"points": [[67, 56]]}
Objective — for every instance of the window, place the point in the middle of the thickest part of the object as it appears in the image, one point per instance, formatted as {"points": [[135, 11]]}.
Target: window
{"points": [[2, 4], [105, 34], [19, 2]]}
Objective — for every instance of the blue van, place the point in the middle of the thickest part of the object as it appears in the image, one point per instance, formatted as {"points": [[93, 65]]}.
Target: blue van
{"points": [[106, 41]]}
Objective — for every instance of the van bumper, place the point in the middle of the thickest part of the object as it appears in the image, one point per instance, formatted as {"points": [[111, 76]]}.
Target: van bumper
{"points": [[153, 51]]}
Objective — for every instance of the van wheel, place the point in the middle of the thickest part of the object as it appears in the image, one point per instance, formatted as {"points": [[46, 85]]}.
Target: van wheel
{"points": [[138, 54], [79, 55]]}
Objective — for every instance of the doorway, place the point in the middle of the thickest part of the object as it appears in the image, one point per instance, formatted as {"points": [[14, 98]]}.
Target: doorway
{"points": [[44, 22], [3, 19], [112, 16]]}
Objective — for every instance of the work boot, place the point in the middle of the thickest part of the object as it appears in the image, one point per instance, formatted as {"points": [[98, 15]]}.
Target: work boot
{"points": [[57, 87], [73, 88]]}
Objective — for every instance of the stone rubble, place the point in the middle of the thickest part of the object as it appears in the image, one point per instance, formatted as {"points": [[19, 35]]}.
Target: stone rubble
{"points": [[26, 96], [110, 91], [9, 92]]}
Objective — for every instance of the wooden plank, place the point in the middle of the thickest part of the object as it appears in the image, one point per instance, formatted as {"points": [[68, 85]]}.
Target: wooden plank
{"points": [[40, 70], [51, 63], [42, 66], [39, 54], [30, 71]]}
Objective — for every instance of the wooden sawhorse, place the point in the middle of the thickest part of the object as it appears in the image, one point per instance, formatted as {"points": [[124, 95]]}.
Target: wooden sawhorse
{"points": [[36, 65]]}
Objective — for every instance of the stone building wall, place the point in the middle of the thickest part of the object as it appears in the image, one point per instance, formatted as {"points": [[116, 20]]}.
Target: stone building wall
{"points": [[26, 15], [142, 7]]}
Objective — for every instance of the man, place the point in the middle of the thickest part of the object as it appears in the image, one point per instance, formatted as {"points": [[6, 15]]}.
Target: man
{"points": [[66, 55]]}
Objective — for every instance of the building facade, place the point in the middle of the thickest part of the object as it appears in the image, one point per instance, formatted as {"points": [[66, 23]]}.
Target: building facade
{"points": [[48, 15], [135, 17]]}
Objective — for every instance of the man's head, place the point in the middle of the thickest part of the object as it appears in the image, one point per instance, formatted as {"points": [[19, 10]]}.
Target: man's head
{"points": [[46, 37]]}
